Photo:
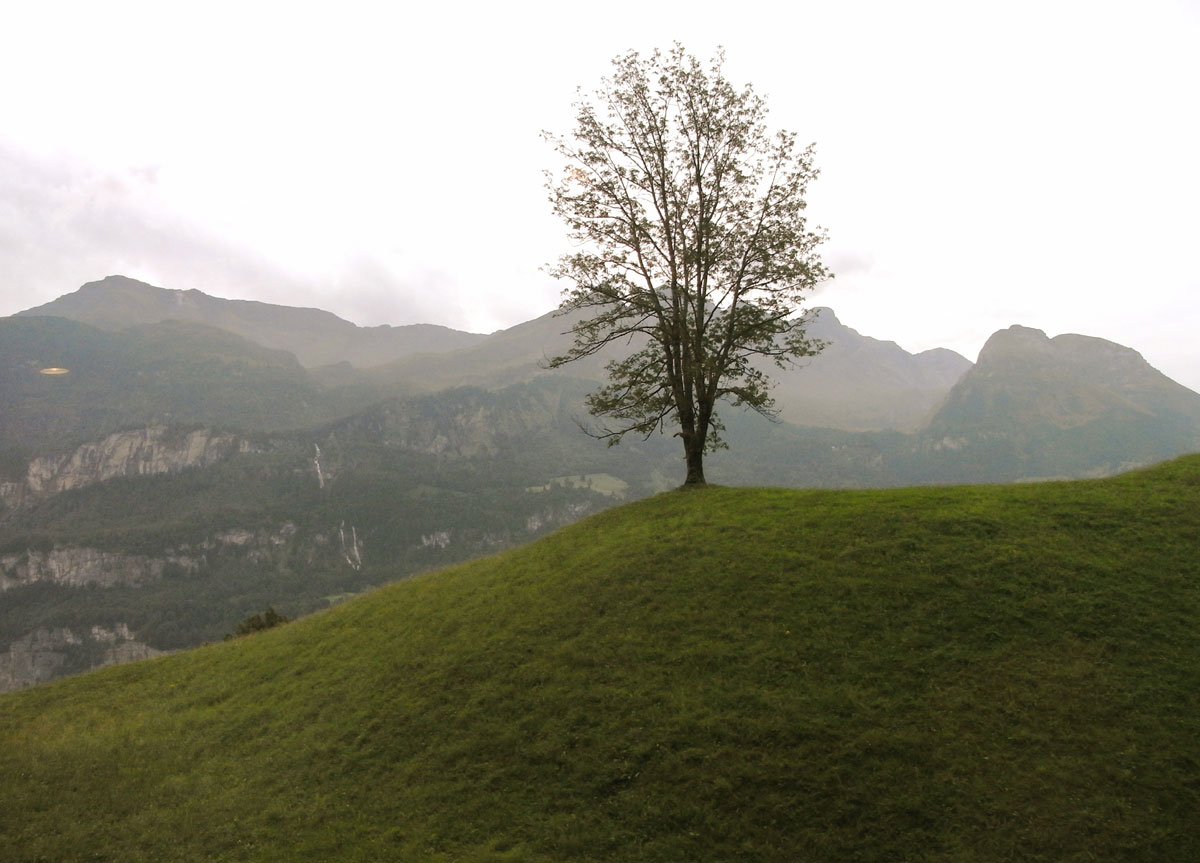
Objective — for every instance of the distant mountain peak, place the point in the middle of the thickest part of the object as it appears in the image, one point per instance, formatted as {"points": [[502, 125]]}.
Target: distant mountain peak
{"points": [[1070, 405], [1023, 344], [862, 383], [314, 337], [1013, 340], [118, 280]]}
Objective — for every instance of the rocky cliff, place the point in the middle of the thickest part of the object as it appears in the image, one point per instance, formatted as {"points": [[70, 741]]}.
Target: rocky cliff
{"points": [[138, 452], [74, 566], [78, 567], [47, 653]]}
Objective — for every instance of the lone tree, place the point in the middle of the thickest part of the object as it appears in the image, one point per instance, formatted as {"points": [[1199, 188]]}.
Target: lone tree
{"points": [[688, 217]]}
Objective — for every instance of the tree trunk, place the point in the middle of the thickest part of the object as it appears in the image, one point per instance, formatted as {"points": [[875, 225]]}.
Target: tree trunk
{"points": [[695, 463]]}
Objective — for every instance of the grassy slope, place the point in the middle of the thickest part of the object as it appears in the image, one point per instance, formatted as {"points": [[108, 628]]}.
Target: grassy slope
{"points": [[943, 674]]}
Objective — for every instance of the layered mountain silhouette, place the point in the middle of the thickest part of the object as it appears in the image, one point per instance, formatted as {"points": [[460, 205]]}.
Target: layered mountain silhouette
{"points": [[1071, 406], [196, 460], [315, 337], [857, 383], [140, 355]]}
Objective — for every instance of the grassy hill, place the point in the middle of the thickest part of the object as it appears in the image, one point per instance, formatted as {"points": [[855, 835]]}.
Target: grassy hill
{"points": [[939, 674]]}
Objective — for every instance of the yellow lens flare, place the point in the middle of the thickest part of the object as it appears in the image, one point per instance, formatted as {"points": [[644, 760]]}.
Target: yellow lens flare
{"points": [[54, 370]]}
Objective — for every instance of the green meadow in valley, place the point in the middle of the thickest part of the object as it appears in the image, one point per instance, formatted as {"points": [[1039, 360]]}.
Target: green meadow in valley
{"points": [[982, 673]]}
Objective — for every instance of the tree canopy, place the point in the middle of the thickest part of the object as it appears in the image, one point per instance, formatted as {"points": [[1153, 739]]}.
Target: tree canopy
{"points": [[693, 250]]}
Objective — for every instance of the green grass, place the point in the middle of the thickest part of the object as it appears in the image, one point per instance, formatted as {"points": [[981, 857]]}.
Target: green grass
{"points": [[938, 674]]}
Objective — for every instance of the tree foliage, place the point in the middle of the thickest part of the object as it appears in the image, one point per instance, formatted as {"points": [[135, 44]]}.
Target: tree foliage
{"points": [[693, 248], [269, 619]]}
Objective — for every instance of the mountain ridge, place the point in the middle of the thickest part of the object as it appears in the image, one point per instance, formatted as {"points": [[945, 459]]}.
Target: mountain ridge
{"points": [[316, 337], [858, 383], [1066, 406]]}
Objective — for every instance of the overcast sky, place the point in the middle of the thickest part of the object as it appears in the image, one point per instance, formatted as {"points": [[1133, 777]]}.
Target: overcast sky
{"points": [[983, 164]]}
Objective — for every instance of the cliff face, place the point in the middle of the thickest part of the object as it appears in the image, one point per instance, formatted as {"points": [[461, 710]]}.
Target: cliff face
{"points": [[77, 567], [51, 652], [140, 452]]}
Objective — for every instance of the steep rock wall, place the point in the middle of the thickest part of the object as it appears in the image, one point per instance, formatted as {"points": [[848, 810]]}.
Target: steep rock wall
{"points": [[74, 566], [77, 567], [140, 452], [47, 653]]}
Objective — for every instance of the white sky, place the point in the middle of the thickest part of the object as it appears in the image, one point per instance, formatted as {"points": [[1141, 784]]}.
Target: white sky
{"points": [[983, 164]]}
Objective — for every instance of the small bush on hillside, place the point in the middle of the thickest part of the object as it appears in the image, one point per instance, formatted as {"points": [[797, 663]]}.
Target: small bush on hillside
{"points": [[258, 622]]}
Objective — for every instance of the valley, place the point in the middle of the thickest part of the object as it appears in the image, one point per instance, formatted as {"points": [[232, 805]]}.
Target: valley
{"points": [[179, 477]]}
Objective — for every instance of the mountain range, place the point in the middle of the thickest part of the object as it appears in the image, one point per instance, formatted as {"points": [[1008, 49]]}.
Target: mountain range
{"points": [[314, 337], [857, 383], [192, 460]]}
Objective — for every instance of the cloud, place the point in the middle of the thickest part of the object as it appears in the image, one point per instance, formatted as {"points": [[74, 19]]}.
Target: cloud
{"points": [[847, 263], [385, 164], [64, 223]]}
